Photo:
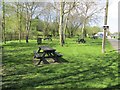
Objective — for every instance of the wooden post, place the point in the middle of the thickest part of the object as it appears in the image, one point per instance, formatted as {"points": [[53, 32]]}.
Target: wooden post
{"points": [[104, 30]]}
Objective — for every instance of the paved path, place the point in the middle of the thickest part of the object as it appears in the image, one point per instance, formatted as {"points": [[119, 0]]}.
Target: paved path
{"points": [[115, 43]]}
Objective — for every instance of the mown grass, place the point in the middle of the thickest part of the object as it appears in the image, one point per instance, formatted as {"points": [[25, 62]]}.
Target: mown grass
{"points": [[84, 67]]}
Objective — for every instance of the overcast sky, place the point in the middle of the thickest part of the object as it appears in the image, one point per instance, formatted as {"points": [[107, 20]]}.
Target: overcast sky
{"points": [[113, 15]]}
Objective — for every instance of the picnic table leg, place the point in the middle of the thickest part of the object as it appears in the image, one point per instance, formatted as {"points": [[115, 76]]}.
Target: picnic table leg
{"points": [[49, 54], [39, 50], [43, 58], [55, 57], [39, 61]]}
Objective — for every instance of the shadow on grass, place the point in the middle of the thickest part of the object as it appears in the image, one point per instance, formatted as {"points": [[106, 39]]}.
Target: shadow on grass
{"points": [[62, 60], [33, 82], [116, 87], [12, 61], [21, 73], [96, 43], [49, 61], [30, 44]]}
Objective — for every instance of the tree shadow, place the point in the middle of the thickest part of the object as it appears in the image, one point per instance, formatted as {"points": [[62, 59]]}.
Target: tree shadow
{"points": [[24, 59], [36, 82], [115, 87], [62, 60], [96, 43], [49, 61]]}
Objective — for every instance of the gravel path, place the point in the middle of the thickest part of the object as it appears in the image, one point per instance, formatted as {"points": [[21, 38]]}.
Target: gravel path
{"points": [[115, 43]]}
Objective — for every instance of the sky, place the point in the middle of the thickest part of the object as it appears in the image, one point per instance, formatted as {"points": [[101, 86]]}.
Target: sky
{"points": [[113, 16]]}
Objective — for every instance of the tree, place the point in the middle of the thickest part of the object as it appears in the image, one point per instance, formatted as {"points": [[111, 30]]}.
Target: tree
{"points": [[3, 21], [73, 25], [30, 8], [19, 19], [93, 30], [61, 24], [14, 20], [47, 15], [0, 24], [89, 12]]}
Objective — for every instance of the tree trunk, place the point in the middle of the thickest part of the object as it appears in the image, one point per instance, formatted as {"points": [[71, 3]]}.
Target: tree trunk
{"points": [[61, 34], [11, 37], [3, 22], [19, 20], [27, 25], [20, 26], [85, 32], [83, 29], [27, 31], [64, 30], [67, 18], [27, 35]]}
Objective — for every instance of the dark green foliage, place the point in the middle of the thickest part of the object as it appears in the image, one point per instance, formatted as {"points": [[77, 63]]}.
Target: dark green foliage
{"points": [[86, 66], [118, 38]]}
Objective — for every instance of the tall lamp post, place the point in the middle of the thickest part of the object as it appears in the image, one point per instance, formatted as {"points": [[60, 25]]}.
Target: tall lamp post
{"points": [[105, 27]]}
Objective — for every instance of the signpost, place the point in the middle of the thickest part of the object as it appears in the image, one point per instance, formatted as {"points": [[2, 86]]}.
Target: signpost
{"points": [[105, 27]]}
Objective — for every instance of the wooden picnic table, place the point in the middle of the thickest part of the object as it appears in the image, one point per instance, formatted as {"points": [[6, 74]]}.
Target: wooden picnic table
{"points": [[47, 52]]}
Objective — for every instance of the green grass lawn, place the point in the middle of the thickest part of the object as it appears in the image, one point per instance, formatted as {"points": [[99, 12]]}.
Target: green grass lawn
{"points": [[84, 66]]}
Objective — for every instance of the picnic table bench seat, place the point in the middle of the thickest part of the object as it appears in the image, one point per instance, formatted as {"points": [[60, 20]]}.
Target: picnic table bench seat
{"points": [[94, 37], [80, 40], [48, 38], [37, 55], [58, 54]]}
